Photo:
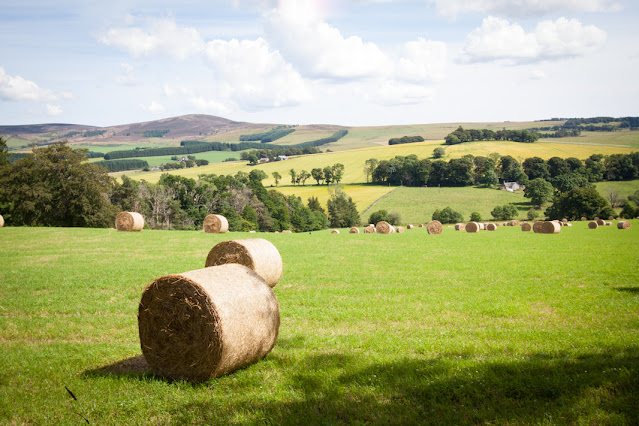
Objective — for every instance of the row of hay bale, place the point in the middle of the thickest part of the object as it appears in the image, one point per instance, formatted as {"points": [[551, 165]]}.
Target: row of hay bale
{"points": [[208, 322], [134, 222], [623, 224]]}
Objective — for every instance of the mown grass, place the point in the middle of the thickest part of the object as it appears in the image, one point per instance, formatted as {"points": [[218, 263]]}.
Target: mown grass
{"points": [[500, 327]]}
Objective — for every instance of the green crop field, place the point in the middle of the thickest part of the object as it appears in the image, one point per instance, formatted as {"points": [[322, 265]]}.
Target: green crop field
{"points": [[503, 327]]}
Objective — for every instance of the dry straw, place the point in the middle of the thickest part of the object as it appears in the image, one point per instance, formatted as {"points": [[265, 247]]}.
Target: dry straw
{"points": [[472, 227], [1, 221], [257, 254], [216, 224], [514, 223], [335, 231], [601, 222], [434, 227], [608, 223], [491, 227], [623, 225], [410, 227], [129, 221], [583, 218], [287, 231], [482, 226], [526, 227], [421, 225], [537, 227], [206, 323], [353, 230], [593, 225], [400, 229], [459, 227], [550, 227], [369, 230], [384, 227]]}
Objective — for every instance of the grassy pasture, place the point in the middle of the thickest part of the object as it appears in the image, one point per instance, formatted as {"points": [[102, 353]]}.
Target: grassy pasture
{"points": [[500, 327]]}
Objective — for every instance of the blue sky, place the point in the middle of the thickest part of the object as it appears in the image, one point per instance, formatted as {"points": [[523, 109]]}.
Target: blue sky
{"points": [[349, 62]]}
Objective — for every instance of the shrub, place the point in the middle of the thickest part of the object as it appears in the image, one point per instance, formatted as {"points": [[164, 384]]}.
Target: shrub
{"points": [[532, 214], [475, 217], [505, 212], [393, 218], [629, 210], [447, 215]]}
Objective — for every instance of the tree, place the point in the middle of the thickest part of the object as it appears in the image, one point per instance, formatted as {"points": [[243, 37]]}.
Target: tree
{"points": [[580, 202], [328, 174], [338, 172], [56, 186], [539, 191], [629, 211], [369, 167], [4, 152], [595, 168], [475, 217], [303, 176], [558, 166], [447, 215], [536, 167], [277, 177], [318, 175], [314, 205], [569, 181], [505, 212], [532, 214], [342, 211], [438, 152], [489, 178], [293, 174], [258, 175], [252, 158]]}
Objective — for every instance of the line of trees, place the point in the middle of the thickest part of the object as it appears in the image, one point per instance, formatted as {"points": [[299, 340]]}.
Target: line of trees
{"points": [[470, 135], [328, 175], [405, 139], [122, 165], [268, 136]]}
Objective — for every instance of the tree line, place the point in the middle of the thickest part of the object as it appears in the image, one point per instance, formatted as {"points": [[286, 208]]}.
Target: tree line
{"points": [[470, 135], [268, 136], [405, 139]]}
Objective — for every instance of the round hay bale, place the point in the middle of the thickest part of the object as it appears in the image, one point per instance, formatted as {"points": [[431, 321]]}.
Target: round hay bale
{"points": [[459, 227], [421, 225], [434, 227], [409, 227], [206, 323], [568, 224], [369, 230], [354, 230], [611, 218], [129, 221], [608, 223], [216, 224], [526, 227], [400, 229], [583, 218], [514, 222], [393, 229], [287, 231], [537, 227], [384, 227], [257, 254], [335, 231], [491, 227], [472, 227], [623, 225], [593, 225], [482, 226], [550, 227], [1, 221], [601, 222]]}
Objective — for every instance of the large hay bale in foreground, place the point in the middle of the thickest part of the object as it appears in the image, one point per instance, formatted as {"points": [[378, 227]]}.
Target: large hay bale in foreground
{"points": [[354, 230], [526, 227], [472, 227], [491, 227], [537, 227], [459, 227], [1, 221], [129, 222], [216, 224], [550, 227], [601, 222], [593, 225], [400, 229], [206, 323], [384, 227], [257, 254], [435, 227], [369, 230], [623, 225]]}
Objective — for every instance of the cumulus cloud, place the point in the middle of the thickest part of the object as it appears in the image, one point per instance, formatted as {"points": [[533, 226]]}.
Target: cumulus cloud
{"points": [[158, 37], [255, 76], [499, 40], [127, 78], [392, 93], [16, 88], [422, 60], [154, 107], [53, 110], [522, 8]]}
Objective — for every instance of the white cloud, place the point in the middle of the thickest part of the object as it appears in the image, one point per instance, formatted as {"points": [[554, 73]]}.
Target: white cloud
{"points": [[499, 40], [422, 60], [159, 37], [392, 93], [320, 50], [127, 78], [254, 76], [154, 107], [537, 75], [523, 8], [16, 88], [53, 110]]}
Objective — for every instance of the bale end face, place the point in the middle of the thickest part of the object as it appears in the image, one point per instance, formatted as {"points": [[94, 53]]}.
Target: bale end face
{"points": [[472, 227], [354, 230], [435, 227], [215, 224], [384, 227], [129, 222], [1, 221], [623, 225], [526, 227], [335, 231], [593, 225], [459, 227], [492, 227]]}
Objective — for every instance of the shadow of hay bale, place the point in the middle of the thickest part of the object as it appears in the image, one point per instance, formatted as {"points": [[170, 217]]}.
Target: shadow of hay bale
{"points": [[135, 366]]}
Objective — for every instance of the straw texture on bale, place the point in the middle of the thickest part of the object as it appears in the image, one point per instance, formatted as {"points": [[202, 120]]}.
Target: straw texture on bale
{"points": [[482, 226], [526, 227], [287, 231], [611, 218], [400, 229], [129, 221], [583, 218], [369, 230], [593, 225], [514, 223], [410, 227], [491, 227], [568, 224], [601, 222], [472, 227], [434, 227], [537, 227], [623, 225], [459, 227], [206, 323], [335, 231], [608, 223], [354, 230], [384, 227], [421, 225], [216, 224], [257, 254], [550, 227], [1, 221]]}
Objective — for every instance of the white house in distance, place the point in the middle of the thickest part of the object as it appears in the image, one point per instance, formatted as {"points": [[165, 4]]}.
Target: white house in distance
{"points": [[282, 157], [510, 186]]}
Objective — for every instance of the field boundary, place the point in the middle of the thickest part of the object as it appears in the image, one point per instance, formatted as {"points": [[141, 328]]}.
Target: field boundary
{"points": [[377, 201]]}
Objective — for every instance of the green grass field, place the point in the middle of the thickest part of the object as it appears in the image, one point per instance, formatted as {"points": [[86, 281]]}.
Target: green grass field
{"points": [[500, 327]]}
